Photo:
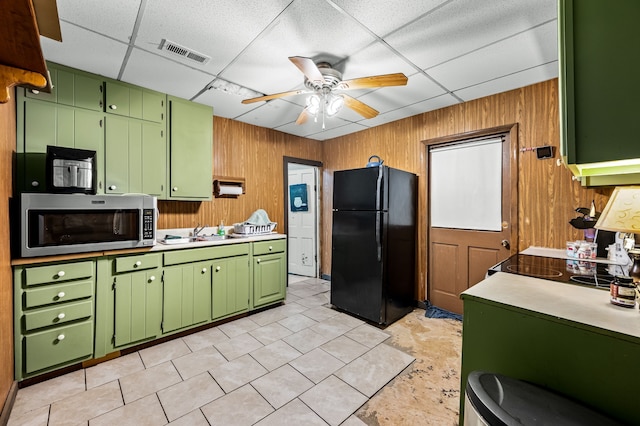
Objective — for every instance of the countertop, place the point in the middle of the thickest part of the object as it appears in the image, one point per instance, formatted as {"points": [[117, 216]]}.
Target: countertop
{"points": [[584, 306]]}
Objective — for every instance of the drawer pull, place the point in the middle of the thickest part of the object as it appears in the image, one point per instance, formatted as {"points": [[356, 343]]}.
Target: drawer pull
{"points": [[258, 261], [61, 295], [152, 278], [218, 268], [60, 337], [60, 274], [270, 248], [204, 270], [61, 315], [138, 263]]}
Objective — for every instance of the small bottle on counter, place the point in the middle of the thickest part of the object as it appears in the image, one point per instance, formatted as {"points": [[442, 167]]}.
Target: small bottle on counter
{"points": [[221, 228], [623, 292]]}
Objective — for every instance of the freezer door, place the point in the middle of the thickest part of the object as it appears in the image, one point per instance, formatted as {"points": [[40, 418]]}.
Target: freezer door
{"points": [[357, 263], [358, 189]]}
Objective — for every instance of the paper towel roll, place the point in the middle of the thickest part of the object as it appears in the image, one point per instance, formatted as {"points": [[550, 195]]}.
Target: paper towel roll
{"points": [[230, 190]]}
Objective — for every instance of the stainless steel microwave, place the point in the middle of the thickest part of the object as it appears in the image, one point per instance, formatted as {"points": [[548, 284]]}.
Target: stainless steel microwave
{"points": [[52, 224]]}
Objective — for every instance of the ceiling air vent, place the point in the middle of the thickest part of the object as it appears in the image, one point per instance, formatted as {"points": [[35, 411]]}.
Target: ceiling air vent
{"points": [[185, 52]]}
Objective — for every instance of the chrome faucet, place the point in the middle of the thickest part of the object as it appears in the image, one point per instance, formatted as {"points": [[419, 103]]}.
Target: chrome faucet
{"points": [[196, 231]]}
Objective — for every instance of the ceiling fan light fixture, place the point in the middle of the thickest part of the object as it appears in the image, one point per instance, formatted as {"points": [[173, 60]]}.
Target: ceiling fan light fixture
{"points": [[334, 104], [313, 104]]}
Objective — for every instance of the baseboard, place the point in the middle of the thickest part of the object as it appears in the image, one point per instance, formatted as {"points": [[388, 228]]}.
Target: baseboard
{"points": [[8, 404]]}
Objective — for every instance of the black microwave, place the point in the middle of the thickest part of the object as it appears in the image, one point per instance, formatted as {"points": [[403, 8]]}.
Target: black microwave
{"points": [[52, 224]]}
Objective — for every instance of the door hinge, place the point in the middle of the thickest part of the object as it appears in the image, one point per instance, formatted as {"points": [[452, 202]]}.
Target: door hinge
{"points": [[113, 286], [113, 339]]}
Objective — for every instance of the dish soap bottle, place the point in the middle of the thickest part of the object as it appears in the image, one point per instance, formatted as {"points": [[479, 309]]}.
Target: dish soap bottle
{"points": [[221, 228]]}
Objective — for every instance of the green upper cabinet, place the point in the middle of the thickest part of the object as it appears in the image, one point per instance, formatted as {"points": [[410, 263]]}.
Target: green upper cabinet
{"points": [[190, 150], [72, 88], [598, 82], [135, 102]]}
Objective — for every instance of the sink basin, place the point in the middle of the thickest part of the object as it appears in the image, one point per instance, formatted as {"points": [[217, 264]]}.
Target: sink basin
{"points": [[210, 237]]}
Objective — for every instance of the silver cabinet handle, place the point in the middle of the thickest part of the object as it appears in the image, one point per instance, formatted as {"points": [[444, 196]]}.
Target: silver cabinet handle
{"points": [[218, 268], [61, 315], [61, 295], [60, 336], [113, 106], [35, 183]]}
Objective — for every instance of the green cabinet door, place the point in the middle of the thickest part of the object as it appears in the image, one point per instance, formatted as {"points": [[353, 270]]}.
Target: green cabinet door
{"points": [[89, 134], [116, 163], [190, 150], [269, 278], [153, 106], [117, 99], [79, 89], [44, 96], [154, 158], [186, 295], [138, 302], [231, 282]]}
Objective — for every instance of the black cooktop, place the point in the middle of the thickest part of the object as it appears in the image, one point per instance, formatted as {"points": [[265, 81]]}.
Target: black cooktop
{"points": [[572, 271]]}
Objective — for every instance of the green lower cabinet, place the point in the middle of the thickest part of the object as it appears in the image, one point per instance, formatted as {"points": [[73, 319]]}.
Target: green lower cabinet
{"points": [[137, 297], [49, 348], [186, 295], [269, 278], [230, 286]]}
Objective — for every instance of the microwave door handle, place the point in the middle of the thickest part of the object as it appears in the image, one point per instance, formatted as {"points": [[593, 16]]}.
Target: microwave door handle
{"points": [[117, 223]]}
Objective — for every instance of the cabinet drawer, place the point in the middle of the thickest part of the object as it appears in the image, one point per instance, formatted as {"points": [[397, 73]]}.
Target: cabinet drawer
{"points": [[60, 345], [177, 257], [59, 272], [137, 263], [266, 247], [58, 293], [57, 315]]}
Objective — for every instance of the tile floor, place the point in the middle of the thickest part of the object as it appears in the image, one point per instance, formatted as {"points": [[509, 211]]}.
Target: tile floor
{"points": [[298, 363]]}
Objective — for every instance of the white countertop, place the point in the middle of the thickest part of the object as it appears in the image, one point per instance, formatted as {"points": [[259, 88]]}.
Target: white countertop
{"points": [[230, 238], [582, 305]]}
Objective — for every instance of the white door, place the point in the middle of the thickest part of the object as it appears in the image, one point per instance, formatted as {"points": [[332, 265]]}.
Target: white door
{"points": [[303, 220]]}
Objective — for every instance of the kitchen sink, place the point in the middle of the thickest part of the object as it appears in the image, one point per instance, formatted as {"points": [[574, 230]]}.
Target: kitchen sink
{"points": [[211, 237]]}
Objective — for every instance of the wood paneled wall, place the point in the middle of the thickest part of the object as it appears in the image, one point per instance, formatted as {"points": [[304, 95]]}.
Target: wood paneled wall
{"points": [[251, 152], [547, 194], [7, 148]]}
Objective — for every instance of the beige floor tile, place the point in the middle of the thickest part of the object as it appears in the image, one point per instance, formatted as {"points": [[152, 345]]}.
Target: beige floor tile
{"points": [[304, 291], [275, 355], [37, 417], [333, 400], [332, 327], [194, 418], [353, 421], [270, 333], [297, 322], [81, 407], [204, 339], [113, 369], [345, 349], [295, 413], [238, 327], [163, 352], [238, 346], [290, 298], [198, 362], [143, 412], [291, 308], [320, 313], [306, 340], [267, 317], [184, 397], [295, 278], [140, 384], [317, 365], [282, 385], [316, 300], [374, 369], [367, 335], [349, 320], [244, 406], [44, 393], [238, 372]]}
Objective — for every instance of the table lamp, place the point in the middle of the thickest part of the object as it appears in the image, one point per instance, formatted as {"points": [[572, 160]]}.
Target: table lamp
{"points": [[622, 214]]}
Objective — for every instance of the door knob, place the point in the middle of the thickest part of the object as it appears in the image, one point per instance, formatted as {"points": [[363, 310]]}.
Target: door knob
{"points": [[505, 244]]}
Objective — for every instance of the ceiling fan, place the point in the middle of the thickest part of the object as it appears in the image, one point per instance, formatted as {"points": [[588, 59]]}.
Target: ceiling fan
{"points": [[326, 86]]}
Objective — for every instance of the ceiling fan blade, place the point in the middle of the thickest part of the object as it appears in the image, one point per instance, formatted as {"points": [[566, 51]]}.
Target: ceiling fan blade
{"points": [[303, 117], [274, 96], [360, 107], [309, 69], [397, 79]]}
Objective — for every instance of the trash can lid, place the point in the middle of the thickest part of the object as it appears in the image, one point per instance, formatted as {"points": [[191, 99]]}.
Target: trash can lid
{"points": [[502, 400]]}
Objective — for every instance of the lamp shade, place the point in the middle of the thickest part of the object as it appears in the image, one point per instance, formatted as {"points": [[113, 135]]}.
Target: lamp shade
{"points": [[622, 212]]}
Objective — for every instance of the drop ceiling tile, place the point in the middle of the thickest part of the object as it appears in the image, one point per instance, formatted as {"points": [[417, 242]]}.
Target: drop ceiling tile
{"points": [[312, 127], [85, 50], [272, 114], [418, 88], [438, 102], [462, 26], [523, 51], [309, 28], [113, 18], [510, 82], [157, 73], [220, 29], [337, 132], [224, 104], [375, 59], [375, 14]]}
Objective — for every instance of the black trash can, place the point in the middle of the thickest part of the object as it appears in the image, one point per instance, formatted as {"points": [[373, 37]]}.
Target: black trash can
{"points": [[496, 400]]}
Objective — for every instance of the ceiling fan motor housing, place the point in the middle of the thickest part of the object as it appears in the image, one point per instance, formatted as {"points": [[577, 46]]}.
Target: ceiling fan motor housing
{"points": [[331, 78]]}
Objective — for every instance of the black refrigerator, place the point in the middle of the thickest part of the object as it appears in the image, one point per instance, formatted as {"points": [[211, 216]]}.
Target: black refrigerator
{"points": [[373, 251]]}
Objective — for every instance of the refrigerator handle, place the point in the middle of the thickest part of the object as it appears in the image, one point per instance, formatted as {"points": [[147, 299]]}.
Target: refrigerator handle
{"points": [[378, 239], [378, 189], [378, 213]]}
